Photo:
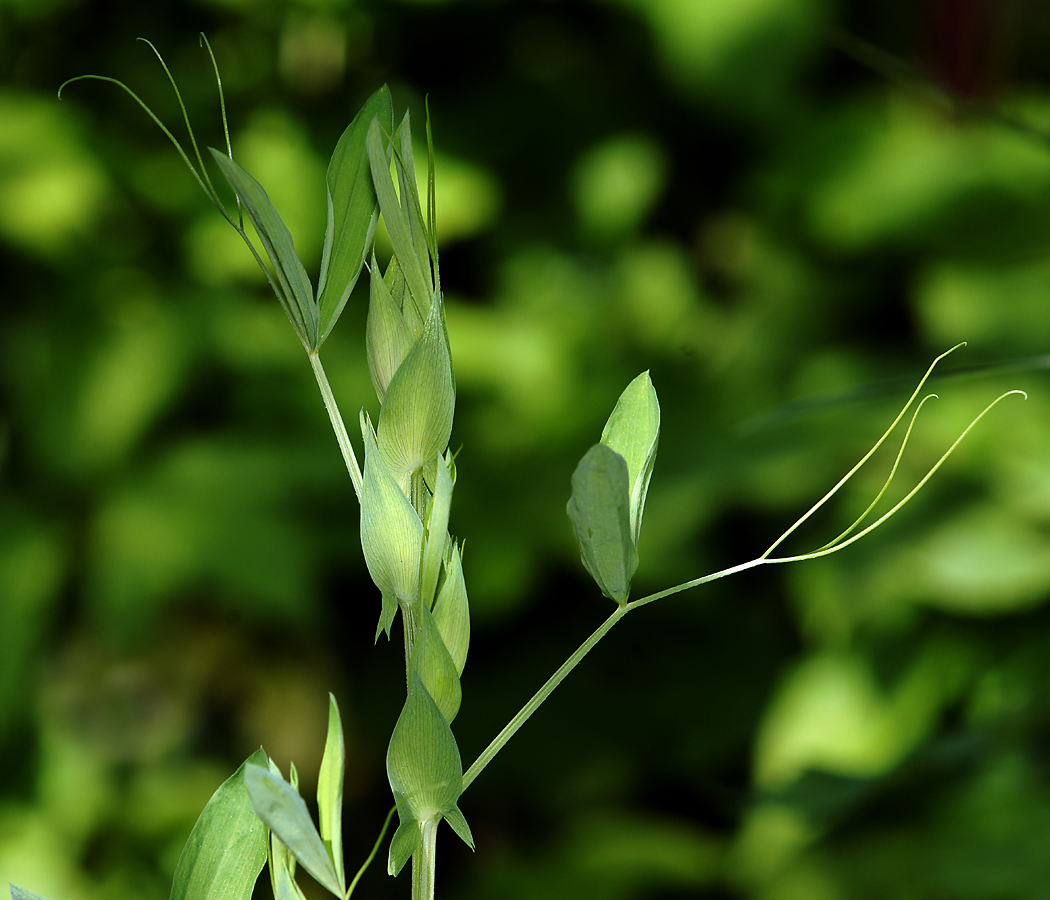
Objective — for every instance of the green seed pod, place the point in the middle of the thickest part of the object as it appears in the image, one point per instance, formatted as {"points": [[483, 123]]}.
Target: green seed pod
{"points": [[391, 530], [388, 338], [416, 419], [425, 772]]}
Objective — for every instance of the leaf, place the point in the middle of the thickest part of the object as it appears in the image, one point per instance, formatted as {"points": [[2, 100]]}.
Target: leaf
{"points": [[352, 211], [451, 611], [18, 893], [459, 825], [633, 431], [330, 789], [433, 664], [279, 805], [388, 339], [405, 166], [386, 615], [423, 763], [436, 530], [397, 225], [599, 510], [415, 422], [285, 887], [391, 530], [226, 849], [403, 844], [293, 284]]}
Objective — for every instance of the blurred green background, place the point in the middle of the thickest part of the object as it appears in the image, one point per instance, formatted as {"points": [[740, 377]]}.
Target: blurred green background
{"points": [[783, 208]]}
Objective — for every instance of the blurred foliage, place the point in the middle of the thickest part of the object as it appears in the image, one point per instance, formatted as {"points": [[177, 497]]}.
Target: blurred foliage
{"points": [[714, 190]]}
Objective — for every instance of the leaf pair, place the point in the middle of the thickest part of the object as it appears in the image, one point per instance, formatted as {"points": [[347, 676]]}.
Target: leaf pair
{"points": [[609, 488], [352, 213]]}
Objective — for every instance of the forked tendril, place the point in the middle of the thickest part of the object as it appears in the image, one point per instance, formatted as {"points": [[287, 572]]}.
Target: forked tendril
{"points": [[201, 177]]}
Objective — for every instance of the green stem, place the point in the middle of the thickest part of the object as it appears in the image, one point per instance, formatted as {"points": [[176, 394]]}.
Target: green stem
{"points": [[542, 694], [424, 862], [558, 677], [337, 422], [372, 855]]}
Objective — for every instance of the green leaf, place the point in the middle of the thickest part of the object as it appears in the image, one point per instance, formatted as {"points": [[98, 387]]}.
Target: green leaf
{"points": [[405, 166], [18, 893], [226, 849], [459, 825], [397, 224], [433, 664], [330, 789], [403, 844], [386, 616], [599, 510], [391, 530], [388, 339], [423, 763], [352, 211], [633, 431], [415, 422], [451, 611], [293, 286], [279, 805], [285, 887], [436, 529]]}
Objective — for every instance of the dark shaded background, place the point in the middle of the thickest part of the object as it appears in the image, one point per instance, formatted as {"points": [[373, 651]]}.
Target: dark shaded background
{"points": [[783, 208]]}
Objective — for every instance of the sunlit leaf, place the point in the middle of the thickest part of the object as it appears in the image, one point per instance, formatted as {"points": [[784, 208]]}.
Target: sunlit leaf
{"points": [[226, 849]]}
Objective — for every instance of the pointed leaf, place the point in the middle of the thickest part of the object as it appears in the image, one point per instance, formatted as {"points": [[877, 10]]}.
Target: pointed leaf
{"points": [[459, 825], [433, 664], [285, 887], [423, 763], [633, 431], [226, 849], [18, 893], [386, 616], [600, 513], [397, 225], [451, 611], [391, 531], [388, 339], [405, 166], [352, 211], [416, 420], [295, 291], [279, 805], [403, 844], [436, 530], [330, 789]]}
